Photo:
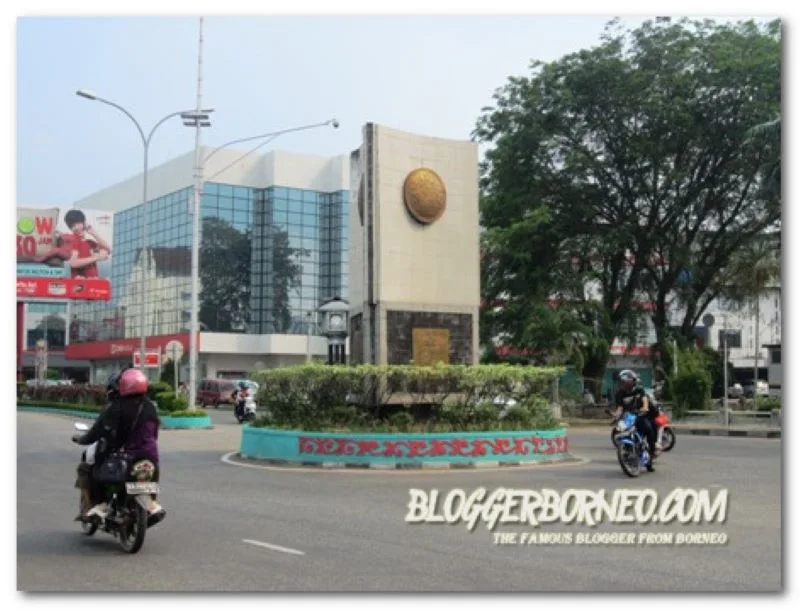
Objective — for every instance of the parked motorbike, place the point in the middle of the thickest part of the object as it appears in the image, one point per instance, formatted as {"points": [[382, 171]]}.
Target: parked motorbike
{"points": [[245, 410], [666, 435], [128, 495], [632, 452]]}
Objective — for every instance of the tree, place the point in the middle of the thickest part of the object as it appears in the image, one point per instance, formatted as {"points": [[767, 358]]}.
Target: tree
{"points": [[286, 276], [225, 276], [618, 173], [767, 136]]}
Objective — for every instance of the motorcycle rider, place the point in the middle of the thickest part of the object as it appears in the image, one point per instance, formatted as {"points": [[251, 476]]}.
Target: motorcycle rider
{"points": [[115, 429], [90, 456], [632, 397], [240, 396]]}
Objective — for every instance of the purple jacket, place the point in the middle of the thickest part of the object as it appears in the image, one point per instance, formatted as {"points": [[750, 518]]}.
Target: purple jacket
{"points": [[144, 443]]}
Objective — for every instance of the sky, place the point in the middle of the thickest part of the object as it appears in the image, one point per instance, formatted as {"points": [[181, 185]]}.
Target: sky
{"points": [[425, 74]]}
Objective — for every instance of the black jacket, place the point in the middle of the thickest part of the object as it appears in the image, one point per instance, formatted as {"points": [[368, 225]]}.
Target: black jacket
{"points": [[630, 400]]}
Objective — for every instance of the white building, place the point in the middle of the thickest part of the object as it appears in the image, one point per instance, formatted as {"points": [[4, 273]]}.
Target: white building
{"points": [[274, 247]]}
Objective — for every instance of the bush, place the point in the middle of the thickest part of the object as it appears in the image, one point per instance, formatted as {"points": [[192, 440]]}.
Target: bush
{"points": [[158, 387], [768, 404], [170, 402], [691, 390], [317, 397]]}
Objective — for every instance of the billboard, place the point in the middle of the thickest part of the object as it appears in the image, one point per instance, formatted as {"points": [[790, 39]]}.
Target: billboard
{"points": [[64, 253]]}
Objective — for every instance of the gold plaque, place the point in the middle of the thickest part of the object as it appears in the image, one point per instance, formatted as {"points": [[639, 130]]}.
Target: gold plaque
{"points": [[430, 346], [424, 195]]}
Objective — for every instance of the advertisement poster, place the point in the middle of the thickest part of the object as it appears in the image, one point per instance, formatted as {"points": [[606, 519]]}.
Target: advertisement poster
{"points": [[64, 253]]}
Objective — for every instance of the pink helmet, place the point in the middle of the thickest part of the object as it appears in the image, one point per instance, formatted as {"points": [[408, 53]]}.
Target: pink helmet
{"points": [[132, 382]]}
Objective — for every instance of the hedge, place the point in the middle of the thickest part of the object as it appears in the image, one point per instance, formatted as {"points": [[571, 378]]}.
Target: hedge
{"points": [[73, 394], [95, 395], [452, 398]]}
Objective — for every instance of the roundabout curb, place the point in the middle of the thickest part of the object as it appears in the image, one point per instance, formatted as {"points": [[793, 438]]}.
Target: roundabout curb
{"points": [[404, 451], [234, 458]]}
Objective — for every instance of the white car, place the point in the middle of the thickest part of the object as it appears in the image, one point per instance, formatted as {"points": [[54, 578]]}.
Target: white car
{"points": [[761, 388], [735, 391]]}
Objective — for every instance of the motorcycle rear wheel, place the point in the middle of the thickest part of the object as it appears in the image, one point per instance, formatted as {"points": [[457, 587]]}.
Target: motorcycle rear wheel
{"points": [[131, 538], [667, 439]]}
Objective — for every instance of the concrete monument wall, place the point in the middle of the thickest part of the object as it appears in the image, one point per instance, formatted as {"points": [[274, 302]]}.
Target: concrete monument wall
{"points": [[415, 257]]}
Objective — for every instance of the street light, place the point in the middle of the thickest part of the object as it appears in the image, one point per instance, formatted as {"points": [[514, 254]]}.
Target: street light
{"points": [[198, 189], [309, 316], [186, 115]]}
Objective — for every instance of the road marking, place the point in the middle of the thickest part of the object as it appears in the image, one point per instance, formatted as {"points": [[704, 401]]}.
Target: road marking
{"points": [[273, 547], [226, 459]]}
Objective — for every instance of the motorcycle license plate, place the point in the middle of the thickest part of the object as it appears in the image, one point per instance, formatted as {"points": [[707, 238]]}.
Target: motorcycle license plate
{"points": [[141, 488]]}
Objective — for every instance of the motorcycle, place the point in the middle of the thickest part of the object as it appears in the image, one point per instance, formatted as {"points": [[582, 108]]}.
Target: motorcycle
{"points": [[632, 452], [666, 435], [245, 409], [128, 500]]}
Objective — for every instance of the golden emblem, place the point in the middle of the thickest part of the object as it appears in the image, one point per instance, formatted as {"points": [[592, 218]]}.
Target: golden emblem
{"points": [[424, 195]]}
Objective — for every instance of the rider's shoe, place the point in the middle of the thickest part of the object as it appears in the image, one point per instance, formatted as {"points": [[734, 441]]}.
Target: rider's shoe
{"points": [[156, 517], [99, 510]]}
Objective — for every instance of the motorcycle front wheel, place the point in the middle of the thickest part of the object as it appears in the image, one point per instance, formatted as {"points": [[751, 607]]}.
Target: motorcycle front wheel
{"points": [[628, 457], [131, 534]]}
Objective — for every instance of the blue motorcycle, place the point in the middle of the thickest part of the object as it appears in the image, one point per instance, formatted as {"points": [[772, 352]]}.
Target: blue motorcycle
{"points": [[632, 450]]}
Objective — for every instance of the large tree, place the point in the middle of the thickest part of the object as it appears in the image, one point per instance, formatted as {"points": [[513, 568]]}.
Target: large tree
{"points": [[618, 172], [224, 277]]}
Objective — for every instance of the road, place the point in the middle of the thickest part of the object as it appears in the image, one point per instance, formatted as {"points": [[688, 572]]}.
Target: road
{"points": [[345, 530]]}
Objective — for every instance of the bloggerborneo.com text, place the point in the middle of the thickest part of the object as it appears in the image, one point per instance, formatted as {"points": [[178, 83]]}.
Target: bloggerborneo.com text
{"points": [[576, 506]]}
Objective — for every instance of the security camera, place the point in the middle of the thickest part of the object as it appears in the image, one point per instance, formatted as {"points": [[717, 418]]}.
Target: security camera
{"points": [[335, 124]]}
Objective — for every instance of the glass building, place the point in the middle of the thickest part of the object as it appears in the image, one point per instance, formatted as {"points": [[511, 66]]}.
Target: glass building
{"points": [[268, 257]]}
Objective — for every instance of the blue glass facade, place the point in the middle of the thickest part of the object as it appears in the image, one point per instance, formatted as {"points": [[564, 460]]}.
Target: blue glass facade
{"points": [[267, 257]]}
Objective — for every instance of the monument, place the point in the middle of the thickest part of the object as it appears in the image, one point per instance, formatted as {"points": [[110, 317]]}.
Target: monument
{"points": [[414, 249]]}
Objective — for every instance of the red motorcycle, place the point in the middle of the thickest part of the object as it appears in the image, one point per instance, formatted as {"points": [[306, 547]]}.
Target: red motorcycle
{"points": [[665, 433]]}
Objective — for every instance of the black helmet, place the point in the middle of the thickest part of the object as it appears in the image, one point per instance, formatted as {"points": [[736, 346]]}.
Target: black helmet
{"points": [[628, 379], [112, 386]]}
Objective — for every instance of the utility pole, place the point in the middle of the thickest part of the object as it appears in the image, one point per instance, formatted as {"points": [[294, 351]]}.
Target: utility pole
{"points": [[200, 120]]}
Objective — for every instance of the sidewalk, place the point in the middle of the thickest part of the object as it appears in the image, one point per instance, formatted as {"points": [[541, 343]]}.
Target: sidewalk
{"points": [[694, 429]]}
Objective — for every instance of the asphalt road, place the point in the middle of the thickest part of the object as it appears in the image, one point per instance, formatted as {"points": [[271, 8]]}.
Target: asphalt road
{"points": [[345, 530]]}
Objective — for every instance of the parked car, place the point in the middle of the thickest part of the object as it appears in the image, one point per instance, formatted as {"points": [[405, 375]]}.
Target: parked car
{"points": [[216, 392], [735, 391], [760, 388]]}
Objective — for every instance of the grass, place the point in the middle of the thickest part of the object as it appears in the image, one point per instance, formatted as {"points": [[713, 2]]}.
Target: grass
{"points": [[96, 409]]}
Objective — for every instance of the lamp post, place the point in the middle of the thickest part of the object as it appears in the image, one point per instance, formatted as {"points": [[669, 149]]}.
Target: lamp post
{"points": [[309, 315], [146, 139], [198, 190], [725, 369]]}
